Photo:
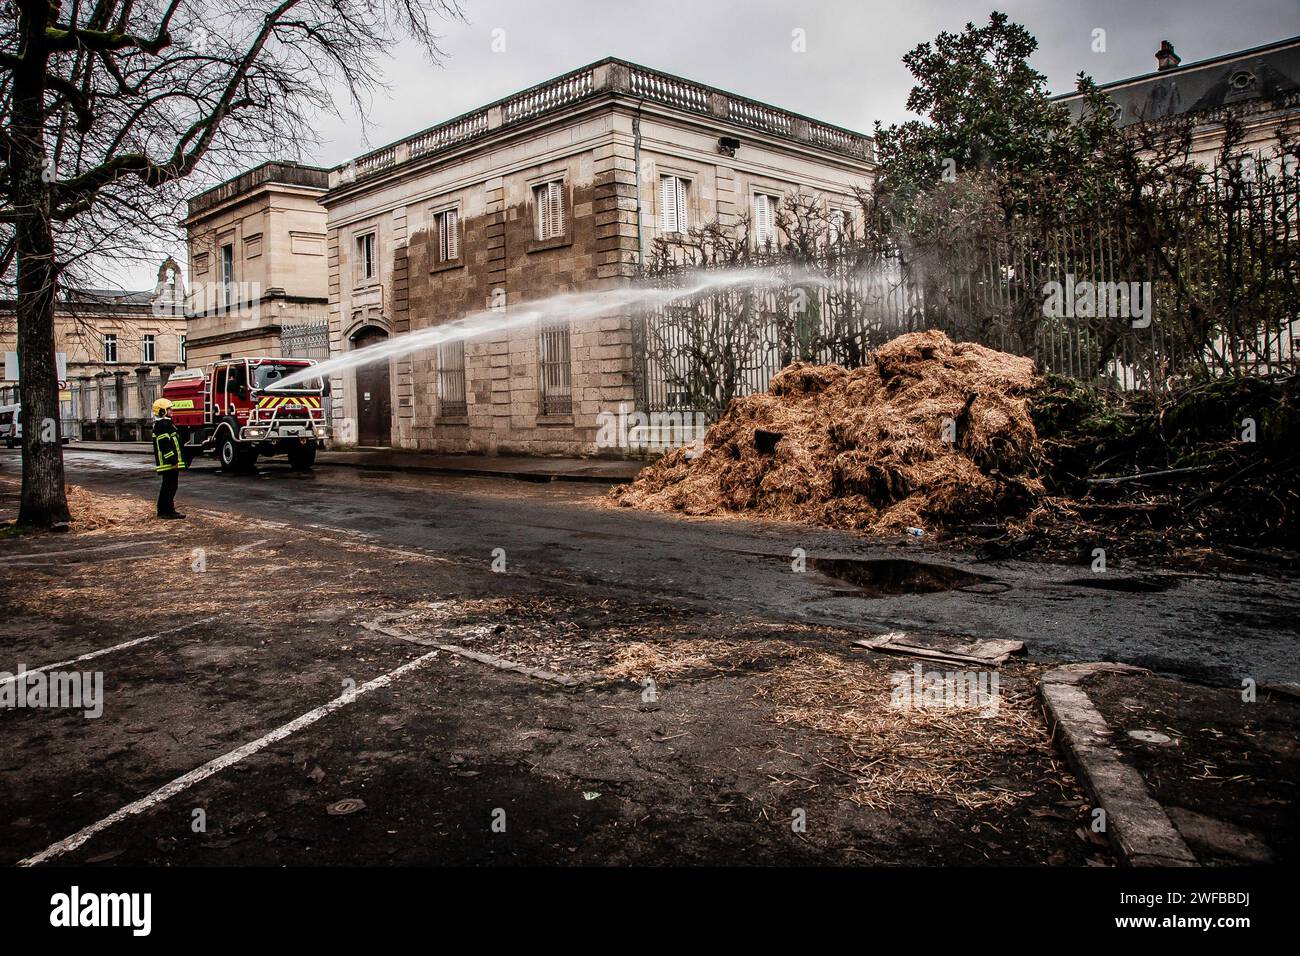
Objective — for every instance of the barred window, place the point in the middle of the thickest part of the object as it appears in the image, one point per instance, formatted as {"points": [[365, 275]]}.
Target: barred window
{"points": [[554, 370], [451, 380]]}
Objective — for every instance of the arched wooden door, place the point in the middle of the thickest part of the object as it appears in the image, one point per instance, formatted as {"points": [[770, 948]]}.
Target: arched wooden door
{"points": [[374, 394]]}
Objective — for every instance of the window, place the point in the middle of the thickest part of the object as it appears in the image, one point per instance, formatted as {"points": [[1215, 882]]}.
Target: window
{"points": [[548, 209], [765, 219], [451, 380], [557, 391], [267, 374], [673, 211], [447, 223], [110, 348], [840, 222], [227, 274], [365, 257], [182, 350], [150, 349]]}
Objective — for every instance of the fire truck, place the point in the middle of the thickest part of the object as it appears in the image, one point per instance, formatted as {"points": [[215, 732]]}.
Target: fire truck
{"points": [[237, 411]]}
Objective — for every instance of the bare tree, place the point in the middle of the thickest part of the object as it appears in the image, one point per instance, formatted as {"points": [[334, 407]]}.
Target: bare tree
{"points": [[106, 106]]}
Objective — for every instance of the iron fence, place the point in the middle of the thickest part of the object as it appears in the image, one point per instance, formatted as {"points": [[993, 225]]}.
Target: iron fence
{"points": [[1209, 285]]}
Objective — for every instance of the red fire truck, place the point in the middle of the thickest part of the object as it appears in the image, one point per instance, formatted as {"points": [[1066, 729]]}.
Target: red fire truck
{"points": [[236, 410]]}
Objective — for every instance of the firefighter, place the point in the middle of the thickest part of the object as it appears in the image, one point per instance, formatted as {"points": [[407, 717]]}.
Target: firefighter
{"points": [[167, 457]]}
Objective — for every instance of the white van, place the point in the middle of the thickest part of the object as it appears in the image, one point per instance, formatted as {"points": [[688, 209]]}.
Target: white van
{"points": [[11, 429]]}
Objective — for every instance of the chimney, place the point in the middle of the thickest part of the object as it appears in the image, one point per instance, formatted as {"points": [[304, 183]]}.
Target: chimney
{"points": [[1166, 58]]}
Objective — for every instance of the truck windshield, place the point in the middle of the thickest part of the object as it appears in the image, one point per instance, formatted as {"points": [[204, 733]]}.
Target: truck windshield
{"points": [[269, 374]]}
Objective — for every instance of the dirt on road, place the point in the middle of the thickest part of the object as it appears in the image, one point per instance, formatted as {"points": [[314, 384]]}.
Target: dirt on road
{"points": [[477, 716]]}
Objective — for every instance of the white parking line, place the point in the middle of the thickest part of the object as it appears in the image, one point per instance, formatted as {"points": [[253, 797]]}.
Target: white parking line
{"points": [[54, 554], [108, 650], [220, 763]]}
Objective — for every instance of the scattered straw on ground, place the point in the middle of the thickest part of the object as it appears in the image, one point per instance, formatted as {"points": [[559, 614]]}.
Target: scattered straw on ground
{"points": [[868, 448], [887, 752], [94, 511], [639, 660], [950, 752]]}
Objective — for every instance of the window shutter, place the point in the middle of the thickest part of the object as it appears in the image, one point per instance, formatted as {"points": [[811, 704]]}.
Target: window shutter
{"points": [[541, 211], [683, 219], [668, 203], [449, 236], [763, 218], [557, 209]]}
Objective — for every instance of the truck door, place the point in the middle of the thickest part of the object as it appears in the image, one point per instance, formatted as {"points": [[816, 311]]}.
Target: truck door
{"points": [[219, 390]]}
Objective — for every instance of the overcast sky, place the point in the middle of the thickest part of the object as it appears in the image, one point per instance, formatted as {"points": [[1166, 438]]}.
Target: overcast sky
{"points": [[851, 73]]}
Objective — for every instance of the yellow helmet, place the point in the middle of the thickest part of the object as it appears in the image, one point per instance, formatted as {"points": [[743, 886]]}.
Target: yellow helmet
{"points": [[160, 406]]}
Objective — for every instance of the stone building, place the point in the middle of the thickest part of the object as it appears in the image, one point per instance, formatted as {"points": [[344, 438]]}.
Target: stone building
{"points": [[1259, 86], [561, 188], [257, 265], [115, 349]]}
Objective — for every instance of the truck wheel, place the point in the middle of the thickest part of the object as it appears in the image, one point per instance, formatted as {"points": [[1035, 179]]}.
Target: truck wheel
{"points": [[232, 457], [302, 457]]}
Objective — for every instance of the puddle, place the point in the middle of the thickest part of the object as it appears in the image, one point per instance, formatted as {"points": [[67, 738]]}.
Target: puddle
{"points": [[890, 576], [1147, 585]]}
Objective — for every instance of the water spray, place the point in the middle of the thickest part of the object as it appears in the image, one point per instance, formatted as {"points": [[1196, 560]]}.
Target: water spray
{"points": [[572, 306]]}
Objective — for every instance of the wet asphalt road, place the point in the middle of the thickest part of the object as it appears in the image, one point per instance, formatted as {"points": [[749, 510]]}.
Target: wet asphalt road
{"points": [[1215, 627]]}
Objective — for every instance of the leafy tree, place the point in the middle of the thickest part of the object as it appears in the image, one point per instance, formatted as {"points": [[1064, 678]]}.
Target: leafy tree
{"points": [[988, 112]]}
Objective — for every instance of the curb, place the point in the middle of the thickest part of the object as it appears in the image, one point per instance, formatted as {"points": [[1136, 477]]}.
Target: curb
{"points": [[541, 477], [1138, 827], [534, 476]]}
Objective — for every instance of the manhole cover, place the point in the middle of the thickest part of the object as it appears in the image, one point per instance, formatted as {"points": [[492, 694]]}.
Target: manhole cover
{"points": [[888, 576], [344, 807]]}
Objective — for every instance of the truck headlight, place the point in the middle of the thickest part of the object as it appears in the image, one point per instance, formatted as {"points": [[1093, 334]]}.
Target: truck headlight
{"points": [[321, 431], [256, 432]]}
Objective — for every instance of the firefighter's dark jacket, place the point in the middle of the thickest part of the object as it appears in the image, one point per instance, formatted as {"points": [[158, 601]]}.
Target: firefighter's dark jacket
{"points": [[166, 446]]}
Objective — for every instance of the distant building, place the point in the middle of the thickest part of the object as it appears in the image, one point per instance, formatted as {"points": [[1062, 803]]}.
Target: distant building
{"points": [[1259, 86], [559, 188], [115, 347], [258, 272]]}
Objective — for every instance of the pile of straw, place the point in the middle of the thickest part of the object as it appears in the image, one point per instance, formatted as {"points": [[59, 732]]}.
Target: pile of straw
{"points": [[95, 511], [929, 432]]}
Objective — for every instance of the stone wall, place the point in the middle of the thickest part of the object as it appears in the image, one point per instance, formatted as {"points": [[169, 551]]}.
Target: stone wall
{"points": [[500, 260]]}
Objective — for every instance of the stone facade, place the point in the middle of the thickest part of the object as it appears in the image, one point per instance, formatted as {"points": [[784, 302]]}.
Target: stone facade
{"points": [[257, 254], [118, 348], [606, 136]]}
